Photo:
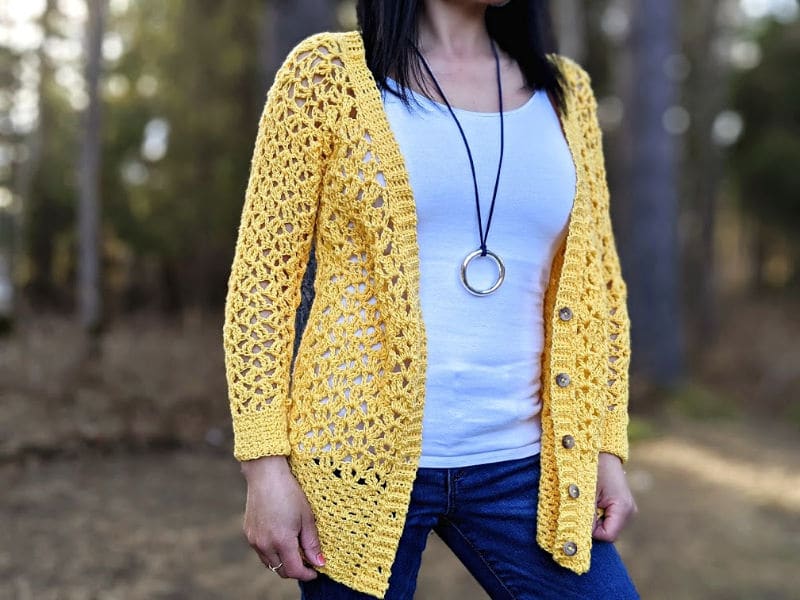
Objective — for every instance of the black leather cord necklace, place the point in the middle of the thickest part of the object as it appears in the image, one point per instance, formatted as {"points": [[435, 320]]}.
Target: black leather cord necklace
{"points": [[484, 235]]}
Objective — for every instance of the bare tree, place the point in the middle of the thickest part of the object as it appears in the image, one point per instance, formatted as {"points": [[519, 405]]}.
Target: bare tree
{"points": [[705, 95], [283, 24], [569, 17], [286, 22], [9, 140], [6, 276], [649, 235], [37, 244], [89, 269]]}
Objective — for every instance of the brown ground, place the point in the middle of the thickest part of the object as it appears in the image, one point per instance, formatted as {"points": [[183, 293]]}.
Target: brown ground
{"points": [[116, 480]]}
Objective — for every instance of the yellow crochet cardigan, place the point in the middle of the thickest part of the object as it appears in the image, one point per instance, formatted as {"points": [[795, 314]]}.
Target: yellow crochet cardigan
{"points": [[326, 169]]}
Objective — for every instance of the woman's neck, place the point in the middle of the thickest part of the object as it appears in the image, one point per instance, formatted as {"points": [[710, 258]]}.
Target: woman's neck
{"points": [[453, 29]]}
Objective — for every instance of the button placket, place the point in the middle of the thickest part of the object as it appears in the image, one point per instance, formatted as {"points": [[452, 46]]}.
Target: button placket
{"points": [[565, 314], [570, 548]]}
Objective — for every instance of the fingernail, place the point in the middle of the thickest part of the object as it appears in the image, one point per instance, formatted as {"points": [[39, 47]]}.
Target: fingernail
{"points": [[320, 560]]}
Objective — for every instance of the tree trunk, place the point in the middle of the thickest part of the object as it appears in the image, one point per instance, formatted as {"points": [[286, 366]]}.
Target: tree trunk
{"points": [[89, 264], [569, 18], [286, 22], [6, 277], [35, 233], [705, 95], [650, 231], [283, 24]]}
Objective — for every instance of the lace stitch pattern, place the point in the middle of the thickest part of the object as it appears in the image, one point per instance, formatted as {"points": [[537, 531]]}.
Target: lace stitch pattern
{"points": [[327, 170]]}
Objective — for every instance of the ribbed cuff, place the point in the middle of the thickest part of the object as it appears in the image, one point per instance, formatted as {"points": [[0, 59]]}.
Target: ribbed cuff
{"points": [[615, 433], [259, 434]]}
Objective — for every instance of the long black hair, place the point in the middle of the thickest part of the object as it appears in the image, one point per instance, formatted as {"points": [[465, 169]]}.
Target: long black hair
{"points": [[522, 28]]}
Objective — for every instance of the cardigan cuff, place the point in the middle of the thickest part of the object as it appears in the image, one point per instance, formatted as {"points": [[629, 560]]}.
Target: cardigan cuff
{"points": [[615, 432], [255, 434]]}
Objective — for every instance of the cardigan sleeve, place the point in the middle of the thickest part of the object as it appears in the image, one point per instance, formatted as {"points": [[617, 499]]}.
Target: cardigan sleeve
{"points": [[615, 422], [272, 249], [615, 403]]}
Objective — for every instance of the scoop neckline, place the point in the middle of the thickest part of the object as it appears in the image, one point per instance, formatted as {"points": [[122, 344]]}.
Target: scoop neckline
{"points": [[463, 111]]}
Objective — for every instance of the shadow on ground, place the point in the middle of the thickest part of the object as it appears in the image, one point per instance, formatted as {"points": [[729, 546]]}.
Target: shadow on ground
{"points": [[719, 519], [117, 480]]}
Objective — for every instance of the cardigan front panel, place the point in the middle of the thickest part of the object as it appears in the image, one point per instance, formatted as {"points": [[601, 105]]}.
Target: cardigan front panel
{"points": [[355, 415], [577, 349], [350, 421]]}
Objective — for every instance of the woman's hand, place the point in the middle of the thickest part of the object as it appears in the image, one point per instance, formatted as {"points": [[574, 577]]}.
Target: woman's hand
{"points": [[613, 497], [278, 521]]}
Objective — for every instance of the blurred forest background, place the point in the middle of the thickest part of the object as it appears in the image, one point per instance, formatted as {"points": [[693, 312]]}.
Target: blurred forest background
{"points": [[126, 132]]}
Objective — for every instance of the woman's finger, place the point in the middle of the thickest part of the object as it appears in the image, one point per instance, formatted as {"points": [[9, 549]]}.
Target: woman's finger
{"points": [[271, 560], [293, 566], [309, 539], [615, 518]]}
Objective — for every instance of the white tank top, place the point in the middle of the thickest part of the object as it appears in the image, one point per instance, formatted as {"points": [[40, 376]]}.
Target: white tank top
{"points": [[482, 401]]}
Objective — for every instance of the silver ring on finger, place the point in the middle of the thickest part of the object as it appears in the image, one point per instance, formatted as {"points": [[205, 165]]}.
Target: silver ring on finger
{"points": [[275, 568]]}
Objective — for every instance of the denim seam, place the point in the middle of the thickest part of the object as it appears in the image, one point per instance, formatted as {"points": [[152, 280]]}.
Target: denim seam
{"points": [[482, 557], [450, 488]]}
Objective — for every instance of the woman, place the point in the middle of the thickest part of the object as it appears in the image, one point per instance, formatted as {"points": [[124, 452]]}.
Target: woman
{"points": [[440, 164]]}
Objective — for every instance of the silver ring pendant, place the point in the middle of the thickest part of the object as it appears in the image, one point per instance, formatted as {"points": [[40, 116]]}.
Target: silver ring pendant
{"points": [[501, 272]]}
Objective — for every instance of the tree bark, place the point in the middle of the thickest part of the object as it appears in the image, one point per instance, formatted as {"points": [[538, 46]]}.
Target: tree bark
{"points": [[705, 95], [35, 233], [569, 18], [286, 22], [283, 24], [650, 233], [89, 259]]}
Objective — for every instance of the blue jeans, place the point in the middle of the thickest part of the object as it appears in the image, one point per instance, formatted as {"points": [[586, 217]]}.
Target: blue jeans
{"points": [[486, 514]]}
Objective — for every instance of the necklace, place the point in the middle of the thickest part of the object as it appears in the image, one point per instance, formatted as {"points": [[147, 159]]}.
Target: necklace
{"points": [[482, 250]]}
